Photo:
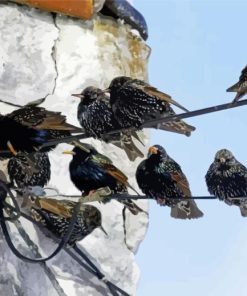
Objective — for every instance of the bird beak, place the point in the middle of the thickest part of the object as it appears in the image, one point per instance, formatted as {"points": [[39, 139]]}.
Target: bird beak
{"points": [[69, 152], [153, 150], [81, 96], [222, 160]]}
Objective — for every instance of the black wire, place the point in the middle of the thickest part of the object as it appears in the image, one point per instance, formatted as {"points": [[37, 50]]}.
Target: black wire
{"points": [[90, 266], [121, 196], [149, 123], [99, 274], [61, 245]]}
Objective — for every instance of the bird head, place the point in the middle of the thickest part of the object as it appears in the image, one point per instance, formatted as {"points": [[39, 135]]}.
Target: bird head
{"points": [[157, 151], [89, 95], [81, 151], [93, 217], [224, 158], [116, 83]]}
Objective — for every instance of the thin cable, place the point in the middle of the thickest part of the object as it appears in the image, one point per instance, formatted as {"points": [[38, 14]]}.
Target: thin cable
{"points": [[148, 123], [61, 245]]}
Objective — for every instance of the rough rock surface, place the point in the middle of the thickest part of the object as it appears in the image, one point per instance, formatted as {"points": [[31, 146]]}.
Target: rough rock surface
{"points": [[46, 56]]}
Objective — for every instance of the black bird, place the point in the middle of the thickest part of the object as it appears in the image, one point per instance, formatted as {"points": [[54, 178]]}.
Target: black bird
{"points": [[54, 123], [134, 102], [161, 178], [29, 127], [15, 136], [88, 218], [32, 169], [96, 117], [90, 170], [227, 178], [241, 86]]}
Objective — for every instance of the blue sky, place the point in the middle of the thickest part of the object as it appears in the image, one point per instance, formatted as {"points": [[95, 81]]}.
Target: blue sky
{"points": [[198, 50]]}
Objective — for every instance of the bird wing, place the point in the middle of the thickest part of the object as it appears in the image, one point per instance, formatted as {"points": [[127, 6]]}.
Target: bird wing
{"points": [[116, 173], [152, 91], [241, 84], [178, 176], [182, 183], [107, 165], [55, 121], [40, 118]]}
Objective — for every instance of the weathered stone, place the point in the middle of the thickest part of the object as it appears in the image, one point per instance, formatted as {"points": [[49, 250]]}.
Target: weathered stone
{"points": [[42, 56]]}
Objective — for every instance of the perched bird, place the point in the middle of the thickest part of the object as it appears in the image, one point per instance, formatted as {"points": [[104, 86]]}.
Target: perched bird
{"points": [[88, 218], [134, 102], [241, 86], [27, 128], [90, 170], [15, 136], [54, 123], [32, 169], [227, 178], [161, 178], [96, 117]]}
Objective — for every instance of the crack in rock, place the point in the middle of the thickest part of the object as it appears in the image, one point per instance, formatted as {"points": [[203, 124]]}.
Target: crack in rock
{"points": [[53, 55]]}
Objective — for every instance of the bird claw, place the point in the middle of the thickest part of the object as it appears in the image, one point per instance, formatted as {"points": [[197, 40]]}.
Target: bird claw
{"points": [[161, 201], [96, 195]]}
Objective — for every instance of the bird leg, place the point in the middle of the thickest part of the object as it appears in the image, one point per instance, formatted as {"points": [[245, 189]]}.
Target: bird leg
{"points": [[161, 201], [96, 195], [11, 148]]}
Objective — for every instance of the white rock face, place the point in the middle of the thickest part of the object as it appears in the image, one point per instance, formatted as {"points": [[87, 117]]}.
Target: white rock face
{"points": [[42, 56]]}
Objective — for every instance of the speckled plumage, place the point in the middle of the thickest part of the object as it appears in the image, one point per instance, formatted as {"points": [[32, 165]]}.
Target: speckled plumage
{"points": [[161, 178], [40, 118], [134, 101], [94, 113], [27, 128], [32, 169], [88, 218], [226, 178], [96, 117], [90, 170], [241, 86]]}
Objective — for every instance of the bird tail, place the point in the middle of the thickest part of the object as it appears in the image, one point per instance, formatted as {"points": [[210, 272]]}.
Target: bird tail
{"points": [[186, 210], [179, 127], [129, 147], [233, 88], [137, 137], [243, 210]]}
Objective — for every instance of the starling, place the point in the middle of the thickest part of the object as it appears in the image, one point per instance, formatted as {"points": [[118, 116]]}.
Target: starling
{"points": [[90, 170], [96, 117], [227, 178], [32, 169], [241, 86], [29, 127], [15, 136], [134, 102], [161, 178], [54, 123], [88, 218]]}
